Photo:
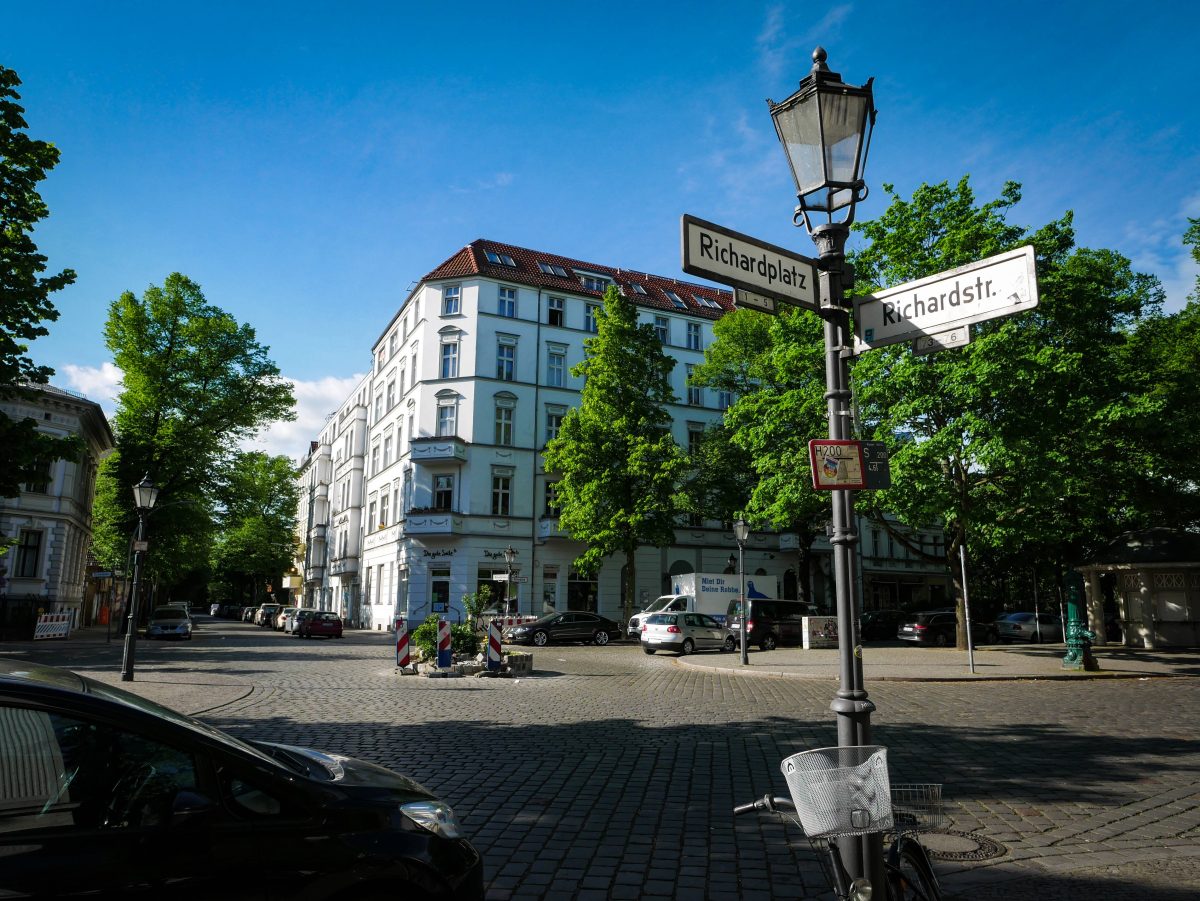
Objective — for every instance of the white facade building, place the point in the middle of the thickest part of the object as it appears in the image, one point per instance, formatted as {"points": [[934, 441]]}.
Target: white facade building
{"points": [[436, 458]]}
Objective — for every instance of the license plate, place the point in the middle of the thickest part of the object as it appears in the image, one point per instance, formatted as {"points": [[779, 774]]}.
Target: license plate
{"points": [[907, 629]]}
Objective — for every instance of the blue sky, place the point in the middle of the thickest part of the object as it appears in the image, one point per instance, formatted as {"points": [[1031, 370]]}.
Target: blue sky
{"points": [[307, 162]]}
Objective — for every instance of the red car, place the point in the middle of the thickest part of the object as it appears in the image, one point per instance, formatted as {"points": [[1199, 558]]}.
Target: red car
{"points": [[327, 624]]}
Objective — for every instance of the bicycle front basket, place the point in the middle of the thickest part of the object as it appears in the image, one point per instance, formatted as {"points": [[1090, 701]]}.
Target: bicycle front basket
{"points": [[840, 791]]}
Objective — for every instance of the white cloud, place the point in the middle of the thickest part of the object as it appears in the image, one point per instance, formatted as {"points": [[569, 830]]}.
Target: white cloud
{"points": [[314, 402], [778, 53], [101, 384]]}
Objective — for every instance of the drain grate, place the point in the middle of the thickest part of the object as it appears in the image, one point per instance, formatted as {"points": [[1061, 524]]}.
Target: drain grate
{"points": [[948, 844]]}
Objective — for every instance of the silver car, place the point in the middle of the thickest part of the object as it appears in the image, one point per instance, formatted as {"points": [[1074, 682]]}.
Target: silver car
{"points": [[685, 633], [1034, 628], [169, 622]]}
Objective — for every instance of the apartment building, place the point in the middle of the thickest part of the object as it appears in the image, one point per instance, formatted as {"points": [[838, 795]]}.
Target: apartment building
{"points": [[438, 454]]}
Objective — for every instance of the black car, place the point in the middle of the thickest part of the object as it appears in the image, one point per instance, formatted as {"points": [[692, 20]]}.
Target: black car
{"points": [[105, 794], [880, 625], [772, 621], [557, 628], [940, 628]]}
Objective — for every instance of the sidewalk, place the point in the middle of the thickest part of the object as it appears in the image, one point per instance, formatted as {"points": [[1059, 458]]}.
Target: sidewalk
{"points": [[887, 662]]}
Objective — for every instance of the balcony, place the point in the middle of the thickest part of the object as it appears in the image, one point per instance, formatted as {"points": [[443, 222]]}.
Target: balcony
{"points": [[450, 449], [343, 566], [548, 528], [433, 522]]}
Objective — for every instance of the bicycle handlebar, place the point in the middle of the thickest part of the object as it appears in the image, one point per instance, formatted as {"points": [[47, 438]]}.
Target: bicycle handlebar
{"points": [[773, 803]]}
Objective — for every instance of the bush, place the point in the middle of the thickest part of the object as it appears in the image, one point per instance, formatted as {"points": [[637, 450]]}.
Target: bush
{"points": [[463, 640]]}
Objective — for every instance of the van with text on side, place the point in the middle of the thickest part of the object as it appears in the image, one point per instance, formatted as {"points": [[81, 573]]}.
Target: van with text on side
{"points": [[771, 622]]}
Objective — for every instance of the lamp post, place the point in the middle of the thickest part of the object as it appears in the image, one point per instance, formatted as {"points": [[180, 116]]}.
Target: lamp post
{"points": [[144, 496], [741, 531], [825, 128], [509, 555]]}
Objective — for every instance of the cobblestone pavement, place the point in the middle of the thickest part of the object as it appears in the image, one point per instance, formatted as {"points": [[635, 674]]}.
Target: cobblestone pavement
{"points": [[610, 774]]}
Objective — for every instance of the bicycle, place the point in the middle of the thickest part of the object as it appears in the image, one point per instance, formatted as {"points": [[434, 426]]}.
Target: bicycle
{"points": [[843, 792]]}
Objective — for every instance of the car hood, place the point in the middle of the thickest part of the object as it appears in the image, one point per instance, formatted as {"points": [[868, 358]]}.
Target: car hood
{"points": [[350, 771]]}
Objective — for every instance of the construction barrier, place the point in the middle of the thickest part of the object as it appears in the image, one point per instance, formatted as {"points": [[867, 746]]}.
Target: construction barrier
{"points": [[493, 651], [402, 652], [444, 657], [52, 625]]}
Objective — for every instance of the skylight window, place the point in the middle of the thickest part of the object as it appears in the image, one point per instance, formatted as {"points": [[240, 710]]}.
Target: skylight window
{"points": [[551, 269], [707, 302], [638, 289], [675, 299], [500, 259]]}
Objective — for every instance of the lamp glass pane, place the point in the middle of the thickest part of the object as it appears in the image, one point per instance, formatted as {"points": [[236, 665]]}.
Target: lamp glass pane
{"points": [[843, 117], [799, 129]]}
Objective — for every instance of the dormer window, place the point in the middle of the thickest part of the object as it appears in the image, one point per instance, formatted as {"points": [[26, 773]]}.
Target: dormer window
{"points": [[675, 299], [597, 283], [500, 259], [551, 269]]}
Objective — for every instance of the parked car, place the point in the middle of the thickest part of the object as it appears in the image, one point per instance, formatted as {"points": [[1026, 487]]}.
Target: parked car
{"points": [[250, 614], [169, 622], [266, 615], [940, 628], [1034, 628], [685, 633], [572, 625], [880, 625], [297, 616], [323, 623], [280, 619], [772, 622], [117, 797]]}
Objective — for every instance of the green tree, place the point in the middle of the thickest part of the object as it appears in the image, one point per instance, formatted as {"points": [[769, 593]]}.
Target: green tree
{"points": [[775, 366], [617, 461], [257, 501], [1013, 443], [24, 291], [195, 383]]}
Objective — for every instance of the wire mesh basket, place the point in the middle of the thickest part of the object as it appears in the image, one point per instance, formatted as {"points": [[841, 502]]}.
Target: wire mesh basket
{"points": [[840, 791], [917, 807]]}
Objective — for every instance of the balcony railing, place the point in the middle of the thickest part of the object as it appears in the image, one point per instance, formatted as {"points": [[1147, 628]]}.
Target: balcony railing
{"points": [[433, 522], [438, 450]]}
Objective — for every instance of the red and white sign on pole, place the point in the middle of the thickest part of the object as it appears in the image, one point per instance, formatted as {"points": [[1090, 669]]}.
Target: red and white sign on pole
{"points": [[493, 653], [443, 648], [836, 464], [403, 658]]}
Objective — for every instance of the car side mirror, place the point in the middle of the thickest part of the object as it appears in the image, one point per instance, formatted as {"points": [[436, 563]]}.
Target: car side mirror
{"points": [[188, 806]]}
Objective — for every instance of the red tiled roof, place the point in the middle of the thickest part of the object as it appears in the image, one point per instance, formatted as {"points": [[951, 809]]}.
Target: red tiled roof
{"points": [[472, 260]]}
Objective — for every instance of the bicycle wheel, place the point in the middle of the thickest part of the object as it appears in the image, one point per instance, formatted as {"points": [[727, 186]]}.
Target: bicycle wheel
{"points": [[911, 877]]}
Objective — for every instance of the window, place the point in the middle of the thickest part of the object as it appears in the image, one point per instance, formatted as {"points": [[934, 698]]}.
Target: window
{"points": [[675, 299], [501, 494], [555, 307], [500, 259], [379, 406], [387, 451], [638, 289], [662, 329], [375, 459], [392, 344], [443, 492], [693, 336], [384, 508], [589, 317], [594, 282], [40, 483], [391, 394], [551, 269], [451, 300], [552, 508], [413, 369], [449, 360], [554, 418], [28, 562], [695, 392], [380, 360], [447, 420], [371, 520], [507, 304], [506, 360], [707, 302], [556, 367], [400, 393], [695, 436], [724, 400], [504, 425]]}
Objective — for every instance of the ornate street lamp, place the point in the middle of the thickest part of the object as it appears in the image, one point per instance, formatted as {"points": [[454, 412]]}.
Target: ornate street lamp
{"points": [[741, 531], [825, 128], [145, 494], [509, 555]]}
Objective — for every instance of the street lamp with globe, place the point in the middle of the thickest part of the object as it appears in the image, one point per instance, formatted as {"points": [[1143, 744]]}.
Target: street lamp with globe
{"points": [[145, 494]]}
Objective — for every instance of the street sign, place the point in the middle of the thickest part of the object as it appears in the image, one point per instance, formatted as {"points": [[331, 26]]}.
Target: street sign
{"points": [[876, 471], [751, 301], [956, 337], [997, 286], [500, 577], [836, 464], [520, 578], [731, 258], [141, 545]]}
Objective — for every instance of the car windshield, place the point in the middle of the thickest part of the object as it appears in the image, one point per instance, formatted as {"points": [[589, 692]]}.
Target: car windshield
{"points": [[167, 617], [659, 603]]}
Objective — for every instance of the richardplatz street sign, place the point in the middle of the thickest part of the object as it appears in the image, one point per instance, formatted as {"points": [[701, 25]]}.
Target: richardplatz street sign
{"points": [[999, 285], [731, 258]]}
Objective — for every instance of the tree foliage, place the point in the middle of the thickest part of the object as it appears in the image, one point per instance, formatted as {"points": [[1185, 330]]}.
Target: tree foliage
{"points": [[194, 384], [24, 289], [617, 461]]}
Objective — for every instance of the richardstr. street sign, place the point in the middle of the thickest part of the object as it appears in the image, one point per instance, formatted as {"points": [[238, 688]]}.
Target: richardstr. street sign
{"points": [[730, 258], [997, 286]]}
